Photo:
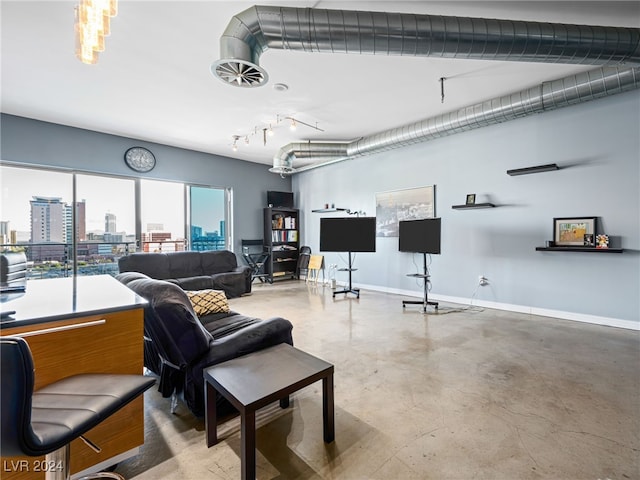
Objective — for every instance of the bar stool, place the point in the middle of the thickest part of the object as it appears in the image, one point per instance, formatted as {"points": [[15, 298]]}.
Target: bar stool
{"points": [[45, 422]]}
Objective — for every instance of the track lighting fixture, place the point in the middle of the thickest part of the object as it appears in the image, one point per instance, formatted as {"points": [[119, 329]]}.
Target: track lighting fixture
{"points": [[269, 132], [234, 146]]}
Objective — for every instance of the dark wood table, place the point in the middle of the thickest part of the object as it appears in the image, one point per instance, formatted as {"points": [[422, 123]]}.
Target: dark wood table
{"points": [[255, 380]]}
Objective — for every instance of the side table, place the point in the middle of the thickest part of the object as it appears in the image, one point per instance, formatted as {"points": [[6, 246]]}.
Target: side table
{"points": [[255, 380]]}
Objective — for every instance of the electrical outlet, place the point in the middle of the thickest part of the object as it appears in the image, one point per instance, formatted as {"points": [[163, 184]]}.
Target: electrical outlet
{"points": [[483, 281]]}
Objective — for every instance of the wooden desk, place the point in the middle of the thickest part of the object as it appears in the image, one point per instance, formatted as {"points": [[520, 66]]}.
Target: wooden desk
{"points": [[78, 325]]}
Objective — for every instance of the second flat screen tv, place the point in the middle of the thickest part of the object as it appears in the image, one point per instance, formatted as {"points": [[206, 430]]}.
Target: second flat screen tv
{"points": [[420, 236], [348, 234]]}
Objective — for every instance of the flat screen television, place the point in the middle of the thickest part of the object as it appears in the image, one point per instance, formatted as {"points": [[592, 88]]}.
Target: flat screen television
{"points": [[280, 199], [348, 234], [420, 236]]}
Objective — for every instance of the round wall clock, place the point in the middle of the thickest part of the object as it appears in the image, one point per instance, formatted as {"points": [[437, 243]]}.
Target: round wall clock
{"points": [[140, 159]]}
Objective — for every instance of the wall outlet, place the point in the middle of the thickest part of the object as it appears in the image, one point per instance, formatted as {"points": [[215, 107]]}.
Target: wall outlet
{"points": [[483, 281]]}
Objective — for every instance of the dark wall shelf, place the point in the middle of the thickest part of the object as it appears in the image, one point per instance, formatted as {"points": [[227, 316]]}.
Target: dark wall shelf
{"points": [[579, 249], [474, 205], [329, 210]]}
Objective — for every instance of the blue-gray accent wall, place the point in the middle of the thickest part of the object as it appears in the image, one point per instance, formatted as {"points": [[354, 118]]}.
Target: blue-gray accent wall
{"points": [[597, 146], [32, 142]]}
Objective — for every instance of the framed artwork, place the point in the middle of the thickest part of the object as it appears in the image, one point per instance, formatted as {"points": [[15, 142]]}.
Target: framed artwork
{"points": [[572, 231], [471, 199], [409, 204]]}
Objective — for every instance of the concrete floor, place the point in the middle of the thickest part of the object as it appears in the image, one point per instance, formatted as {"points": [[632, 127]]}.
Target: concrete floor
{"points": [[472, 394]]}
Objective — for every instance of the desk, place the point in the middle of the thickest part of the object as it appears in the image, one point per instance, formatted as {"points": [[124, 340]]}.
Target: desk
{"points": [[258, 379], [76, 325]]}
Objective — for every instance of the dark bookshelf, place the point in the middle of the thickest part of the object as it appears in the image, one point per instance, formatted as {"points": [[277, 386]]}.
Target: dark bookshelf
{"points": [[282, 240]]}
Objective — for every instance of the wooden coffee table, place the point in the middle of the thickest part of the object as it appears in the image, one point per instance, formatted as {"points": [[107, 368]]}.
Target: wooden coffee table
{"points": [[255, 380]]}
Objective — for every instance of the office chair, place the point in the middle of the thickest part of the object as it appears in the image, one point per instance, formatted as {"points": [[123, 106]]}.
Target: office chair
{"points": [[45, 422]]}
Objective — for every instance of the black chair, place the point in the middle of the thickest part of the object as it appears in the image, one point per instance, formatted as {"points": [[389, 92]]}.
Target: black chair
{"points": [[45, 422], [303, 261], [13, 268], [256, 257]]}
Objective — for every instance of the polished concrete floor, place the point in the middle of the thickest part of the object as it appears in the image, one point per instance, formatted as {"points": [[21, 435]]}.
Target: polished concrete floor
{"points": [[459, 394]]}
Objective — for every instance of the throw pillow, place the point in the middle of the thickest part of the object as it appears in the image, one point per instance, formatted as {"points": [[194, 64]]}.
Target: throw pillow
{"points": [[208, 301]]}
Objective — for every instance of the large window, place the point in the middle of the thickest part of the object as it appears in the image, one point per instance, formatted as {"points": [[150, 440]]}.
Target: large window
{"points": [[104, 223], [70, 222], [162, 216], [208, 218]]}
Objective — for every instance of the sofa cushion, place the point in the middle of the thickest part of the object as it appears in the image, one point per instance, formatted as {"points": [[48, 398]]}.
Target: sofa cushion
{"points": [[234, 284], [200, 282], [185, 264], [219, 261], [208, 301], [154, 265]]}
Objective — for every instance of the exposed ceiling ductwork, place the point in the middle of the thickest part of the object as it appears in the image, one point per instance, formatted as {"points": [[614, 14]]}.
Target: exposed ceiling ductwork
{"points": [[559, 93], [255, 30]]}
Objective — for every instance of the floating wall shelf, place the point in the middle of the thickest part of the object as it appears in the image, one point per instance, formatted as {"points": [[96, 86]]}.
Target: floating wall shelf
{"points": [[538, 169], [329, 210], [579, 249], [474, 205]]}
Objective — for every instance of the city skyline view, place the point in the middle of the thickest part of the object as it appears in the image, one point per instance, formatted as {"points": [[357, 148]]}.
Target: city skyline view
{"points": [[162, 203]]}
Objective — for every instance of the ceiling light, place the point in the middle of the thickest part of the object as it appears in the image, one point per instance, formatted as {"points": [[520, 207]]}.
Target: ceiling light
{"points": [[234, 147], [92, 24], [281, 87], [293, 125], [270, 131]]}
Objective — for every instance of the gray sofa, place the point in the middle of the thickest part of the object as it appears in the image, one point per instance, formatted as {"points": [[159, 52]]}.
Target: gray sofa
{"points": [[218, 270], [179, 345]]}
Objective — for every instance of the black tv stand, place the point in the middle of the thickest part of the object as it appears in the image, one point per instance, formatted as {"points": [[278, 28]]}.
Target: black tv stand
{"points": [[355, 291], [425, 276]]}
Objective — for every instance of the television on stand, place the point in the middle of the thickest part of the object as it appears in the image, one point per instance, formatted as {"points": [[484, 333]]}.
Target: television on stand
{"points": [[420, 236], [348, 234]]}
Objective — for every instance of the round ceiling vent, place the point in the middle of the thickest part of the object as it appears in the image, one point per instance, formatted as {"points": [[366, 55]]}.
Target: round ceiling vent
{"points": [[239, 73]]}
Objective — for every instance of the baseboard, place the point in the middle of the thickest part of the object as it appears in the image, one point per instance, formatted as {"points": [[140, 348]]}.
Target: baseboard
{"points": [[543, 312]]}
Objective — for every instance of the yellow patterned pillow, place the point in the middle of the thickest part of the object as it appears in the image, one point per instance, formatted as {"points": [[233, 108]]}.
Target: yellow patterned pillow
{"points": [[208, 301]]}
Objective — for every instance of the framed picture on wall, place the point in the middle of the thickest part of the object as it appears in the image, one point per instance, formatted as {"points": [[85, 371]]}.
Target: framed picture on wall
{"points": [[471, 199], [395, 206], [571, 231]]}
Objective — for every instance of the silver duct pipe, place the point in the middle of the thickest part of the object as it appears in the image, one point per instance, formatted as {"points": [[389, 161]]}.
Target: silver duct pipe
{"points": [[258, 28], [552, 95]]}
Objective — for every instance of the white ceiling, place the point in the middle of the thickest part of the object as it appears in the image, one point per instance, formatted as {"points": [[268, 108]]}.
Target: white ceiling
{"points": [[153, 82]]}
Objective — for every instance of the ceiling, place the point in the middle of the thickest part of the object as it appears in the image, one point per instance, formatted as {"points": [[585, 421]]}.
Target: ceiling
{"points": [[153, 82]]}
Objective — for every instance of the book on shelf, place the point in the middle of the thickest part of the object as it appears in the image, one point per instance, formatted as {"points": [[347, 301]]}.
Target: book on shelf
{"points": [[279, 222], [284, 236]]}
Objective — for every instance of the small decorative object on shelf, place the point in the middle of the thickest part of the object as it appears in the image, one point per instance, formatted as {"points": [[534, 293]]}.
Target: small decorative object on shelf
{"points": [[602, 241], [471, 199], [588, 240]]}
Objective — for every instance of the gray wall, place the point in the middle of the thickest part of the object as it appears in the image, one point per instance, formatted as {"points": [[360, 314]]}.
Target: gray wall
{"points": [[596, 144], [33, 142]]}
